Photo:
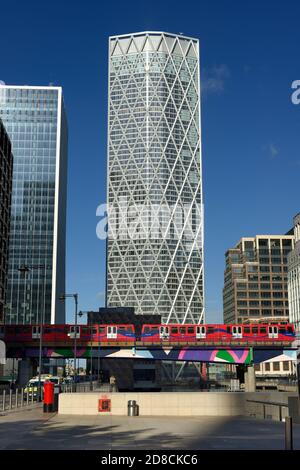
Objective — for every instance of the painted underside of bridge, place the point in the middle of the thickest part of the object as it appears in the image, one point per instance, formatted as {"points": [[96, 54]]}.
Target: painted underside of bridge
{"points": [[236, 355]]}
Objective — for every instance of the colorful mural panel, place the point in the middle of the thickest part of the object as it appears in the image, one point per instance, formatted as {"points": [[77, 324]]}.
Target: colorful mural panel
{"points": [[225, 355]]}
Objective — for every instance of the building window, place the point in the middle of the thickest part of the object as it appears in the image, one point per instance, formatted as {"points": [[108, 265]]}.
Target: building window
{"points": [[286, 365], [276, 366], [267, 366]]}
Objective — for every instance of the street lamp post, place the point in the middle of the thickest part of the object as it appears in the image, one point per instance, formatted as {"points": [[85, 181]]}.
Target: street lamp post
{"points": [[75, 297], [80, 314], [25, 269]]}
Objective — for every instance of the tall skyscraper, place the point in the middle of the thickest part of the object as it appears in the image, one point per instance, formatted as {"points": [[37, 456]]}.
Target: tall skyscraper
{"points": [[294, 277], [35, 120], [6, 168], [155, 240], [255, 279]]}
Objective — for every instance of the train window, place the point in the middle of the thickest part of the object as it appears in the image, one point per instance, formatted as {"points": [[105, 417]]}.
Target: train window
{"points": [[200, 332], [85, 330], [228, 329], [102, 330], [174, 331], [210, 330], [263, 329], [254, 330], [247, 329], [282, 331], [94, 331], [237, 332], [35, 332], [190, 330], [153, 328], [182, 330], [290, 329], [146, 329]]}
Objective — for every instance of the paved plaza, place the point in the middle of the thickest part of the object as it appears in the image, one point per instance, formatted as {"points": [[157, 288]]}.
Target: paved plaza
{"points": [[31, 429]]}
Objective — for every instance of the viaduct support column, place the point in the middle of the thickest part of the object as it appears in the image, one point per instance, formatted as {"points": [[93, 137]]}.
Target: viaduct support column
{"points": [[25, 371], [250, 380]]}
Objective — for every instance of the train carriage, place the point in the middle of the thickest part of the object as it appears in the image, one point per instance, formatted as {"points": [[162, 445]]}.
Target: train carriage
{"points": [[217, 333], [171, 334]]}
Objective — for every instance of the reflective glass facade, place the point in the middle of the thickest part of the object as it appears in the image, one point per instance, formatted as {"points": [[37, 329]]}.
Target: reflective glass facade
{"points": [[6, 168], [155, 160], [294, 277], [35, 121]]}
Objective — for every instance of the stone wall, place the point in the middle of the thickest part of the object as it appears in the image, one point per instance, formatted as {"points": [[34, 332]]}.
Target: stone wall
{"points": [[157, 404], [186, 404]]}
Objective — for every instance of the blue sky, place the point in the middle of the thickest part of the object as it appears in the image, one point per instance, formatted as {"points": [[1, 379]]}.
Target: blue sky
{"points": [[250, 128]]}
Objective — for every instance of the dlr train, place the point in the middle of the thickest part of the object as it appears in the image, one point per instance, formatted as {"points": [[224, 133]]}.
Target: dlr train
{"points": [[150, 334]]}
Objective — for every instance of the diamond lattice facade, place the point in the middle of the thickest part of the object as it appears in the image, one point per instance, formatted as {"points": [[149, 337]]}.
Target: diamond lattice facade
{"points": [[155, 241]]}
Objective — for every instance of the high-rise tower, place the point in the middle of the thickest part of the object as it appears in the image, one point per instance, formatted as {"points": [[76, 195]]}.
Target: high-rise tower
{"points": [[35, 120], [155, 241], [6, 167], [255, 279], [294, 277]]}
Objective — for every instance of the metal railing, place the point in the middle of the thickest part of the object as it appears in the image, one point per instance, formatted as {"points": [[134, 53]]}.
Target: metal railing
{"points": [[80, 387], [18, 398], [270, 403]]}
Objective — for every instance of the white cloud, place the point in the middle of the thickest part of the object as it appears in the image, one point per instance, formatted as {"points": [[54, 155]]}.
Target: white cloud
{"points": [[213, 79], [273, 150]]}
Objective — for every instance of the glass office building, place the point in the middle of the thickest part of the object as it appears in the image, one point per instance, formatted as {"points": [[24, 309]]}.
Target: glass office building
{"points": [[155, 216], [35, 120], [294, 277], [6, 168], [255, 279]]}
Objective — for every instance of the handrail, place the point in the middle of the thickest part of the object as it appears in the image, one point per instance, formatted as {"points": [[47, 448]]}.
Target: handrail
{"points": [[272, 403], [268, 402]]}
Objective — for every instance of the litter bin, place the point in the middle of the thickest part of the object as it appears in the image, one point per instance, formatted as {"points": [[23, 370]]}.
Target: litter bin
{"points": [[132, 408]]}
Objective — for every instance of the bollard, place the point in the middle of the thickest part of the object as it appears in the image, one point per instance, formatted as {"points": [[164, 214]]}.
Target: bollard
{"points": [[27, 397], [22, 397], [4, 399], [10, 400], [288, 433], [16, 399]]}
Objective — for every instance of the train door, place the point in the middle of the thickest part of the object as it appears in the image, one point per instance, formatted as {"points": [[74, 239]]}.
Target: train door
{"points": [[200, 332], [273, 332], [112, 332], [164, 332], [36, 331], [74, 331], [237, 332]]}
